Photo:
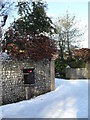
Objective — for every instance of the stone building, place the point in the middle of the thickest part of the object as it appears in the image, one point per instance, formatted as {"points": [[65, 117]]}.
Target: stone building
{"points": [[24, 79]]}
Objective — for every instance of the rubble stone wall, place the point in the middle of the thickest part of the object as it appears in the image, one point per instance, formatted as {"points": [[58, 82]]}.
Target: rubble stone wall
{"points": [[13, 87]]}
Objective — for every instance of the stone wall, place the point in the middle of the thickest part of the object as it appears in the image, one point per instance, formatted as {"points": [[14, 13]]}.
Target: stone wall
{"points": [[76, 73], [13, 87], [0, 79], [88, 67]]}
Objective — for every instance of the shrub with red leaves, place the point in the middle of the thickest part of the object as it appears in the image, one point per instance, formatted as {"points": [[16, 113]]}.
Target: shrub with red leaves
{"points": [[83, 53], [25, 46], [42, 48]]}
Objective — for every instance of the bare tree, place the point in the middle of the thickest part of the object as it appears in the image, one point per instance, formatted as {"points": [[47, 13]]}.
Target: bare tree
{"points": [[67, 34], [5, 8], [1, 7]]}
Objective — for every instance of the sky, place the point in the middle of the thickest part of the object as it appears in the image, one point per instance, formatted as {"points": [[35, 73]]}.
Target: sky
{"points": [[58, 8]]}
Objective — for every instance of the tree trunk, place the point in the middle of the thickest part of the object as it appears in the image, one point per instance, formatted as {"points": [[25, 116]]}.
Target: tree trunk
{"points": [[61, 50], [68, 46]]}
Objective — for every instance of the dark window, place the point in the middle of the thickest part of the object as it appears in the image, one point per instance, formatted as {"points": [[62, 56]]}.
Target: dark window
{"points": [[29, 76]]}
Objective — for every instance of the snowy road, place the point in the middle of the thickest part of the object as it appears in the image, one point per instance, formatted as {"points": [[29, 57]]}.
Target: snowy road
{"points": [[69, 100]]}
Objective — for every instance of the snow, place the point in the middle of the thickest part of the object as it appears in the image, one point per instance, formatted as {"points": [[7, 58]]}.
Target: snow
{"points": [[5, 56], [69, 100]]}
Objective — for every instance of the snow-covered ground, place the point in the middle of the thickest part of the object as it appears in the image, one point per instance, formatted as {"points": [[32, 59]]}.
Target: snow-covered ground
{"points": [[69, 100]]}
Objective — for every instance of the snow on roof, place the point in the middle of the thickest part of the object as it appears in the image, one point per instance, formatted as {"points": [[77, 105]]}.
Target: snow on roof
{"points": [[4, 56]]}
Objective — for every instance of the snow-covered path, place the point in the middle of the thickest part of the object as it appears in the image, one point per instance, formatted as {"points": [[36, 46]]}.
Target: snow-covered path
{"points": [[69, 100]]}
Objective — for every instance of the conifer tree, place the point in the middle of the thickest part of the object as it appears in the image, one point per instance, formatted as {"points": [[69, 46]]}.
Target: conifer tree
{"points": [[33, 18]]}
